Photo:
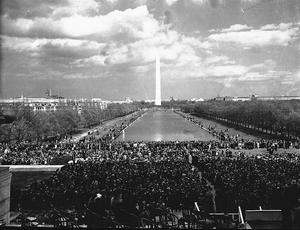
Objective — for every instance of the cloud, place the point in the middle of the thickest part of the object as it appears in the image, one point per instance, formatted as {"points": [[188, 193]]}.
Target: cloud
{"points": [[216, 59], [255, 76], [266, 65], [145, 37], [52, 47], [78, 7], [281, 26], [140, 52], [129, 40], [142, 69], [171, 2], [134, 38], [281, 36], [199, 2], [229, 70], [132, 23], [96, 60], [212, 3], [236, 27], [113, 2]]}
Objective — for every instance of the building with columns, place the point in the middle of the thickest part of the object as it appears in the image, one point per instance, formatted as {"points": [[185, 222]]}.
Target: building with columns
{"points": [[48, 104]]}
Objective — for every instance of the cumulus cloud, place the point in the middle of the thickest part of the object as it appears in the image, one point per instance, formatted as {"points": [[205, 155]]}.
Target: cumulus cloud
{"points": [[236, 27], [80, 7], [55, 47], [145, 37], [134, 35], [134, 23], [129, 41], [281, 36]]}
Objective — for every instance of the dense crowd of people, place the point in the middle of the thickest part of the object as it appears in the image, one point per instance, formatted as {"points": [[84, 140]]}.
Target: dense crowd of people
{"points": [[41, 153], [168, 173], [250, 181], [91, 146], [150, 170]]}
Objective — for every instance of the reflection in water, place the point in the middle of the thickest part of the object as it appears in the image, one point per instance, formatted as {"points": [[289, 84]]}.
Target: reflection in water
{"points": [[164, 126], [158, 125], [158, 137]]}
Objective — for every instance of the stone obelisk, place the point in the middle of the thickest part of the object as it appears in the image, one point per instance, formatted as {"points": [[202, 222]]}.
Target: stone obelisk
{"points": [[158, 89]]}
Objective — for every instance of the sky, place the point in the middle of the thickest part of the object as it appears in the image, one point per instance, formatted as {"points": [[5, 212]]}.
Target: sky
{"points": [[107, 48]]}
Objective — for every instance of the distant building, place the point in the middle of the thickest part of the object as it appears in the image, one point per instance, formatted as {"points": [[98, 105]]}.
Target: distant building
{"points": [[219, 98], [276, 98], [241, 98], [37, 104], [150, 101], [127, 100], [53, 103]]}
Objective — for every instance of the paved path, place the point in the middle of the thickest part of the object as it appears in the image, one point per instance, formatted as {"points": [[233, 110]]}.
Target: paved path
{"points": [[102, 129]]}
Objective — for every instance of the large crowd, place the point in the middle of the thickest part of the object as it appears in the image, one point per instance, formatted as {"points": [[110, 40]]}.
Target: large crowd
{"points": [[150, 171], [166, 173], [43, 152], [250, 181], [161, 173], [26, 153]]}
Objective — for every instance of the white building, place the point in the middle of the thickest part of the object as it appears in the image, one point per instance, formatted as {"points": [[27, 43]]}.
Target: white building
{"points": [[53, 104]]}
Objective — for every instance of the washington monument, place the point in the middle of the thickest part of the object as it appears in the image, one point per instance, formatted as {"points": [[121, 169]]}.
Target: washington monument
{"points": [[158, 89]]}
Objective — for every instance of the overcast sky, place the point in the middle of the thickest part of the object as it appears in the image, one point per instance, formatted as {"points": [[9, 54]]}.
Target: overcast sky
{"points": [[107, 48]]}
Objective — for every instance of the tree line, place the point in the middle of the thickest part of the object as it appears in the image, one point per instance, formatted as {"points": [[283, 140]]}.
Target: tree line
{"points": [[278, 118], [30, 125]]}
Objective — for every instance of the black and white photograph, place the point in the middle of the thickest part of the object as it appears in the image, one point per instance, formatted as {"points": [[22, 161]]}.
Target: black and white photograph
{"points": [[178, 114]]}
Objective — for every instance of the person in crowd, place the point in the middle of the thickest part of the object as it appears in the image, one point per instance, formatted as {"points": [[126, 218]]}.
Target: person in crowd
{"points": [[99, 206], [290, 201], [297, 207], [92, 207], [209, 201], [129, 205], [116, 199]]}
